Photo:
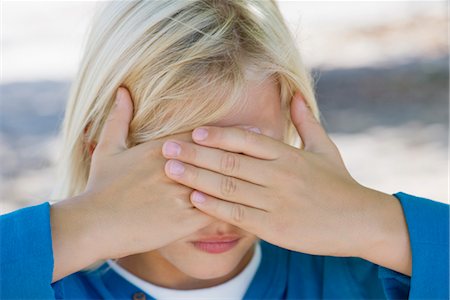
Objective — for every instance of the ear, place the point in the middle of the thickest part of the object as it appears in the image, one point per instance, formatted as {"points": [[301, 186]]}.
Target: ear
{"points": [[89, 145]]}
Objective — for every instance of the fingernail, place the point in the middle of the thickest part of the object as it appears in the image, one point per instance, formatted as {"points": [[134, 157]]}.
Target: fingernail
{"points": [[171, 149], [176, 168], [119, 95], [300, 100], [200, 134], [198, 197]]}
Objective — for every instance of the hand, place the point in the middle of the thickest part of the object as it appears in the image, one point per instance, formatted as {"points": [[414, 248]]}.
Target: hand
{"points": [[303, 200], [129, 203]]}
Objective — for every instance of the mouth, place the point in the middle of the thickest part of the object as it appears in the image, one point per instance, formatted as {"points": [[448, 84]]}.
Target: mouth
{"points": [[218, 244]]}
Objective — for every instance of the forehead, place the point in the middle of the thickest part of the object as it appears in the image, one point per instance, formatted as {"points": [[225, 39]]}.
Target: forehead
{"points": [[260, 106]]}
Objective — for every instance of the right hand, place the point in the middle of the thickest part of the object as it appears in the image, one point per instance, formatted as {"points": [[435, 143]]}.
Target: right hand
{"points": [[137, 206]]}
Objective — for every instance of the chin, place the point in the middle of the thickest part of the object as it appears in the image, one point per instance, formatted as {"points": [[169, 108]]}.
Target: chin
{"points": [[202, 265], [209, 269]]}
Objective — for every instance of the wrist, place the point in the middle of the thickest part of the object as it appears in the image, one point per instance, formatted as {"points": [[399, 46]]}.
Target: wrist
{"points": [[74, 236], [386, 241]]}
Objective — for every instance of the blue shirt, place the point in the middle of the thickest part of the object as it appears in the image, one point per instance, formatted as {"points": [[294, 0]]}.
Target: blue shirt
{"points": [[27, 265]]}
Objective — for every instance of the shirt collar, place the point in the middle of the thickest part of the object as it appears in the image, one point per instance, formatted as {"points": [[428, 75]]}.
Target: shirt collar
{"points": [[234, 288], [269, 280]]}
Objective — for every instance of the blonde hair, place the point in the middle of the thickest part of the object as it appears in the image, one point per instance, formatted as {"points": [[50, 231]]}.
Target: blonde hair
{"points": [[189, 59]]}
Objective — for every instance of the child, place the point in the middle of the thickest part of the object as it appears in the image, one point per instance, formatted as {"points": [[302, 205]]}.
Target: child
{"points": [[233, 209]]}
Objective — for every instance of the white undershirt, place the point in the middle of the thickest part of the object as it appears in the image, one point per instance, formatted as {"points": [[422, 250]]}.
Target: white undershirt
{"points": [[234, 288]]}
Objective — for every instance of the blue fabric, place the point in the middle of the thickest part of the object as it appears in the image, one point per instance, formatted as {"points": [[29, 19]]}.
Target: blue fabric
{"points": [[27, 265]]}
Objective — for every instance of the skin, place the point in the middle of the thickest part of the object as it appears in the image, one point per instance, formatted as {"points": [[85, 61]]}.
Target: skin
{"points": [[129, 206], [180, 265], [292, 205], [308, 202]]}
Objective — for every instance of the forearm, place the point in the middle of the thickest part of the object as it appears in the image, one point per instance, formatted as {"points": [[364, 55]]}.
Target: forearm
{"points": [[387, 242], [73, 236]]}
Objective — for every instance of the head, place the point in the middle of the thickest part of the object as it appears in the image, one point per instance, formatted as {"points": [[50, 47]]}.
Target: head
{"points": [[186, 64]]}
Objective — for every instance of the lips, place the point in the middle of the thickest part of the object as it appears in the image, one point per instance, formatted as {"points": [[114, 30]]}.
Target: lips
{"points": [[218, 239], [216, 244]]}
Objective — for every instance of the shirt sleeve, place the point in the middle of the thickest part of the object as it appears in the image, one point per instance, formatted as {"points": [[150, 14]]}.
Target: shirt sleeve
{"points": [[26, 258], [428, 227]]}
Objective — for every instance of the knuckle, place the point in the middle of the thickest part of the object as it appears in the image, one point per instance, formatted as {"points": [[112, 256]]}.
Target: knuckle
{"points": [[229, 164], [288, 175], [179, 202], [237, 213], [182, 201], [113, 117], [193, 154], [290, 164], [151, 153], [192, 174], [228, 186]]}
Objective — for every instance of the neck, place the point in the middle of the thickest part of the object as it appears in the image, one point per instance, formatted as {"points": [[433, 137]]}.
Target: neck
{"points": [[154, 268]]}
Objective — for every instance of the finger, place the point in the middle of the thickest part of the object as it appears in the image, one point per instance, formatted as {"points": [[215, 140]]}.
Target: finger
{"points": [[245, 217], [308, 127], [155, 145], [227, 163], [217, 185], [115, 130], [238, 140]]}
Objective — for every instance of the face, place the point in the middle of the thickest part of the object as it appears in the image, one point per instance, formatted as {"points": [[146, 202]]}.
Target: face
{"points": [[262, 110]]}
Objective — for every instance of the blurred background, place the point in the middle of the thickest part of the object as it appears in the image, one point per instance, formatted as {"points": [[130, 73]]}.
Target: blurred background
{"points": [[381, 71]]}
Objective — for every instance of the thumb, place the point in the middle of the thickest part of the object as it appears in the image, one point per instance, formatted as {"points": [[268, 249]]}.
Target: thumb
{"points": [[115, 130], [308, 127]]}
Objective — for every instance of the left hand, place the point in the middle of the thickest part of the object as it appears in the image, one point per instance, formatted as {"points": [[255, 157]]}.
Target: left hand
{"points": [[302, 200]]}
